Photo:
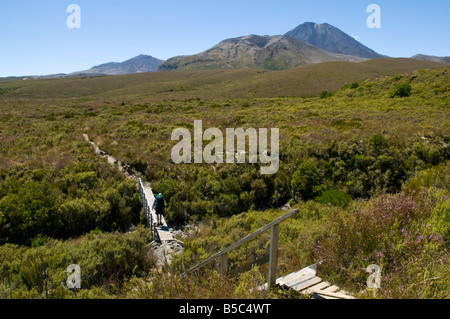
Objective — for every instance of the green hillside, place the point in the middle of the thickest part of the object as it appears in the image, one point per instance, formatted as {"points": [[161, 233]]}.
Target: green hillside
{"points": [[364, 154]]}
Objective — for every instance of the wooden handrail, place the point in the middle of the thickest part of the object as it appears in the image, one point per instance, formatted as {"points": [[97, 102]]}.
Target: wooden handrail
{"points": [[274, 226], [147, 210]]}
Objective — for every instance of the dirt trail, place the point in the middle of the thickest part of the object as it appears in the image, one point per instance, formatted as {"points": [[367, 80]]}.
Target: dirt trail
{"points": [[124, 168]]}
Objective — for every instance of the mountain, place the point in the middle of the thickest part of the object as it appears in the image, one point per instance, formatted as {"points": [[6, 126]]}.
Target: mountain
{"points": [[330, 38], [141, 63], [445, 59], [253, 51]]}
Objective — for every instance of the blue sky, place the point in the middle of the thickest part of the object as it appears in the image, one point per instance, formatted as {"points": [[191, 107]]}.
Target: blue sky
{"points": [[36, 40]]}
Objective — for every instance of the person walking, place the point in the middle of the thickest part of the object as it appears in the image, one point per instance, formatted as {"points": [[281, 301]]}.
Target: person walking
{"points": [[158, 206]]}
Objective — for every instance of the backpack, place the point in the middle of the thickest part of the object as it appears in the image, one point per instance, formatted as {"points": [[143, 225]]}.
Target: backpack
{"points": [[159, 203]]}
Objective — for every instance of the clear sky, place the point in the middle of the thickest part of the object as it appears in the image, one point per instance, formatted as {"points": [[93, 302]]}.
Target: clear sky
{"points": [[35, 39]]}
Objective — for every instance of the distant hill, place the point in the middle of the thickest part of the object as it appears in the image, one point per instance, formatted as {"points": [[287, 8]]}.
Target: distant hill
{"points": [[439, 59], [253, 51], [305, 81], [141, 63], [330, 38]]}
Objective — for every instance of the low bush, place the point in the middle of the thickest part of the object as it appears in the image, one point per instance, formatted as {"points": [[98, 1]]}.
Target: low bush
{"points": [[403, 90], [334, 197]]}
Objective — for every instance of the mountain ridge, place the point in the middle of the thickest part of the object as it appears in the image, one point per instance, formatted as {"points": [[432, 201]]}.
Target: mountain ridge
{"points": [[254, 51], [433, 58], [139, 64]]}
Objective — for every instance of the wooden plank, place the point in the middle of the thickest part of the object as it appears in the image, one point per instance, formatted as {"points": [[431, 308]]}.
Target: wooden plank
{"points": [[333, 294], [332, 289], [299, 279], [317, 296], [317, 287], [297, 274], [273, 258], [308, 283]]}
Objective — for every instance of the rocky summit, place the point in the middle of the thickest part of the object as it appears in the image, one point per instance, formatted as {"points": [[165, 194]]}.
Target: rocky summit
{"points": [[330, 38]]}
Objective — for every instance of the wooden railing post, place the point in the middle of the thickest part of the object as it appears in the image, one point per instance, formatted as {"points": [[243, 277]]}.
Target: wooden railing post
{"points": [[273, 257]]}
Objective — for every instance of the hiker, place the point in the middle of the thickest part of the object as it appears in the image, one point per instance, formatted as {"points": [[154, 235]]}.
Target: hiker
{"points": [[158, 206]]}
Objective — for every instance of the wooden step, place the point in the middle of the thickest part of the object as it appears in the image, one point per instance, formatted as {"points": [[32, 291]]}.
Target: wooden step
{"points": [[306, 281], [296, 275]]}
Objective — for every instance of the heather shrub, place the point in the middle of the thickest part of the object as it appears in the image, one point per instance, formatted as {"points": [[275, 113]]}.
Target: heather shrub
{"points": [[395, 232]]}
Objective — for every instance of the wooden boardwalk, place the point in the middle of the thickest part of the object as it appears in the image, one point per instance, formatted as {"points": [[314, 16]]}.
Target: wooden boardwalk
{"points": [[306, 281], [161, 233]]}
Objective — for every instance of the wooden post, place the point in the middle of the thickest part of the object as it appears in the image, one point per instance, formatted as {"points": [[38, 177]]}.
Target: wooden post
{"points": [[224, 264], [273, 258], [150, 219]]}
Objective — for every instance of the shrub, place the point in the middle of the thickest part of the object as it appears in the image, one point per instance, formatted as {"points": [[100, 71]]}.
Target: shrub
{"points": [[39, 240], [334, 197], [403, 90], [437, 177], [325, 94], [306, 180], [441, 219], [378, 143]]}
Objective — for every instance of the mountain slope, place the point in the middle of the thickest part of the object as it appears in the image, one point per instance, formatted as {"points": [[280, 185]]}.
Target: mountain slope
{"points": [[253, 51], [330, 38], [445, 59], [141, 63]]}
